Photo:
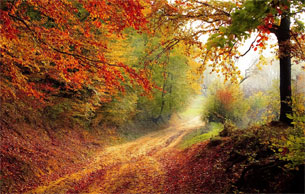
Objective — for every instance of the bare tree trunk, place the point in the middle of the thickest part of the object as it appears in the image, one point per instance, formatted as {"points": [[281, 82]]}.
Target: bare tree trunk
{"points": [[162, 99], [283, 36]]}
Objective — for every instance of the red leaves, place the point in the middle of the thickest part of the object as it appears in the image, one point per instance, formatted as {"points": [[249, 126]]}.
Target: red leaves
{"points": [[98, 24], [262, 38], [55, 34], [198, 169], [129, 14], [225, 96], [279, 10], [261, 44], [139, 77], [82, 185], [7, 28], [267, 25]]}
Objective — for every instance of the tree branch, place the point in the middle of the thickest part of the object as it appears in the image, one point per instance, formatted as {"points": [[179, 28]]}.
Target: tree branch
{"points": [[295, 38], [274, 28], [215, 8], [249, 47], [57, 50], [248, 71]]}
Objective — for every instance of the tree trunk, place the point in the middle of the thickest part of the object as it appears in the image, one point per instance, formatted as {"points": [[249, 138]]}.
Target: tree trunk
{"points": [[162, 100], [170, 93], [283, 36], [163, 93]]}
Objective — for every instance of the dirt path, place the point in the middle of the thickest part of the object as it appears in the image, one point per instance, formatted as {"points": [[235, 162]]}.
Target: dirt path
{"points": [[132, 167]]}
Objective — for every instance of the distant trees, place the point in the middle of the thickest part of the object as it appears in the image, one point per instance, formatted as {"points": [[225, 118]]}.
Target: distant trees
{"points": [[229, 23], [173, 73], [225, 102]]}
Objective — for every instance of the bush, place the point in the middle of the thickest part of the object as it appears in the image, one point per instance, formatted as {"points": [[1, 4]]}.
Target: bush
{"points": [[225, 102], [292, 147], [264, 107], [117, 112]]}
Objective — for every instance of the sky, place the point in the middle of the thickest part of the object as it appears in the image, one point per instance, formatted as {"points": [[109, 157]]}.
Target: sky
{"points": [[244, 62]]}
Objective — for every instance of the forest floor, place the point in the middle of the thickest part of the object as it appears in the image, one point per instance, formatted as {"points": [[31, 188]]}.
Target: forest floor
{"points": [[71, 161], [133, 167]]}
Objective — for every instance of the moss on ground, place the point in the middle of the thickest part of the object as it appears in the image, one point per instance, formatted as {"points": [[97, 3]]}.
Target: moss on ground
{"points": [[201, 134]]}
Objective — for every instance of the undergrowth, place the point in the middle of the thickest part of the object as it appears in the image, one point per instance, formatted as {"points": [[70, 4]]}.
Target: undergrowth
{"points": [[137, 129], [237, 161]]}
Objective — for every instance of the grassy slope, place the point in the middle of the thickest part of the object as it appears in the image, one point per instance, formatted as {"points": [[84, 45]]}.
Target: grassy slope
{"points": [[201, 134]]}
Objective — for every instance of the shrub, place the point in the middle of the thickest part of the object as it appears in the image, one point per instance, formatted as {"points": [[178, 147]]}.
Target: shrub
{"points": [[264, 107], [293, 147], [117, 112], [225, 102]]}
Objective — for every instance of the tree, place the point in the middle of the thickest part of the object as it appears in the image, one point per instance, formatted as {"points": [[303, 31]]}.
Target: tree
{"points": [[169, 69], [52, 46], [229, 24]]}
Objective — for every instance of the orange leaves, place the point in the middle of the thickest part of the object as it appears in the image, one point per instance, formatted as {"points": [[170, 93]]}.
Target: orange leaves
{"points": [[225, 96], [139, 77], [64, 39], [263, 37], [279, 10], [129, 14]]}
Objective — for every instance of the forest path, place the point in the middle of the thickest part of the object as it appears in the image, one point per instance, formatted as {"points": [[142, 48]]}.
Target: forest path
{"points": [[133, 167]]}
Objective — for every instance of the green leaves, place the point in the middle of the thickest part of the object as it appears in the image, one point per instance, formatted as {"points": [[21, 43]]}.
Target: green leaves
{"points": [[243, 21], [225, 102], [33, 13], [300, 27]]}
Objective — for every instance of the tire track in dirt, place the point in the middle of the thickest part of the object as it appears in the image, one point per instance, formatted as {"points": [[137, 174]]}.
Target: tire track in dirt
{"points": [[133, 167]]}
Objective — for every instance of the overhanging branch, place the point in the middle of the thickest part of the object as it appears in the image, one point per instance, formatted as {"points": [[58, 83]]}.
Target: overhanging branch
{"points": [[249, 47], [298, 43], [58, 50], [215, 8]]}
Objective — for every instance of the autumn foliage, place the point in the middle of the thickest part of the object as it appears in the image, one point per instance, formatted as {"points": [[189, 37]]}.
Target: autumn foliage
{"points": [[225, 102], [53, 59], [78, 77], [48, 46], [240, 162]]}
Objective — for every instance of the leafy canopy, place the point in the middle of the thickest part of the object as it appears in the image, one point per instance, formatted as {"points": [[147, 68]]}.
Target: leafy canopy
{"points": [[48, 46]]}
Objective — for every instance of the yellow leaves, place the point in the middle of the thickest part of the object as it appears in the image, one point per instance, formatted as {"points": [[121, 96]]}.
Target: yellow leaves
{"points": [[119, 52], [193, 75], [147, 7], [55, 34], [259, 67]]}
